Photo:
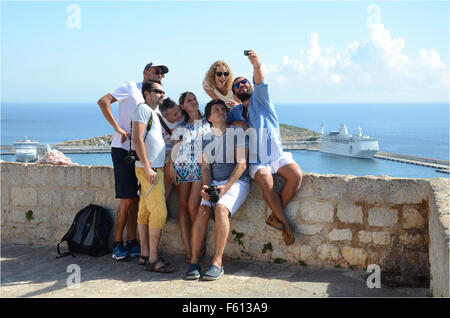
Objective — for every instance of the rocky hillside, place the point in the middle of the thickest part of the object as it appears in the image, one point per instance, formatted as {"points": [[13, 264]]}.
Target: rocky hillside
{"points": [[287, 133]]}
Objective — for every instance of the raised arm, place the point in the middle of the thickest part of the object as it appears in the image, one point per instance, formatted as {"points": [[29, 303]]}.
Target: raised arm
{"points": [[257, 69]]}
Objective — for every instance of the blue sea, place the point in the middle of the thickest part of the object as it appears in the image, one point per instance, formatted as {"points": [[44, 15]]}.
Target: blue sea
{"points": [[420, 129]]}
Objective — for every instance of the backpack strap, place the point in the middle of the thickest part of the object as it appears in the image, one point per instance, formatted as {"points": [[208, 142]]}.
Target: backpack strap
{"points": [[64, 254], [163, 123], [149, 126]]}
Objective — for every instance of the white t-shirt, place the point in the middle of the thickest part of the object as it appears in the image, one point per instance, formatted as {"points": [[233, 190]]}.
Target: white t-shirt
{"points": [[166, 136], [154, 142], [226, 98], [128, 95]]}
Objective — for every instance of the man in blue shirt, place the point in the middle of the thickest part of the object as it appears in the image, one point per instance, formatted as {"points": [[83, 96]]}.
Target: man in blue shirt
{"points": [[257, 114]]}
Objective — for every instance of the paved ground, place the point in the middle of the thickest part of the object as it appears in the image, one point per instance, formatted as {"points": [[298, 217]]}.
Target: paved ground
{"points": [[33, 271]]}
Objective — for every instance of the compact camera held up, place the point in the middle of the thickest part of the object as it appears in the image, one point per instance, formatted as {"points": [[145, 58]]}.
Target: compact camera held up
{"points": [[213, 193]]}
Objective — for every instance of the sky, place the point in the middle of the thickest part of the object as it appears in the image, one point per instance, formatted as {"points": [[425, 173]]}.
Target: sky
{"points": [[311, 51]]}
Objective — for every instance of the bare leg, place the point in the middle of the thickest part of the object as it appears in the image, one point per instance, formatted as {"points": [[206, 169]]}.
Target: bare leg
{"points": [[293, 176], [132, 219], [221, 231], [265, 180], [143, 238], [194, 199], [184, 221], [122, 217], [199, 229], [168, 184]]}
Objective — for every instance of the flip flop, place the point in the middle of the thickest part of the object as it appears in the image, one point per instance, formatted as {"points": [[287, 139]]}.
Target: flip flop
{"points": [[288, 236], [273, 222]]}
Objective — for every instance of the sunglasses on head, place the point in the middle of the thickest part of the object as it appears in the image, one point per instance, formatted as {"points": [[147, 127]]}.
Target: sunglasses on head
{"points": [[243, 82], [219, 74], [157, 91]]}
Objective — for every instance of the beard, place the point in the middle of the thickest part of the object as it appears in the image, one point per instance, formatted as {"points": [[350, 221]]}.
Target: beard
{"points": [[244, 96]]}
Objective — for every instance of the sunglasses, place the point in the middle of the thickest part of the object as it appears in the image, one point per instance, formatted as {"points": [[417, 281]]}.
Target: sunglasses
{"points": [[157, 91], [219, 74], [243, 82]]}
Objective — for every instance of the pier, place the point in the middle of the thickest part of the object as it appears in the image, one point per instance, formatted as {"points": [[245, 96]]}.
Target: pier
{"points": [[439, 165]]}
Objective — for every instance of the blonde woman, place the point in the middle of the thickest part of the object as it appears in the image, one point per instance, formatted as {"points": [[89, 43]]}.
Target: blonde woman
{"points": [[217, 83]]}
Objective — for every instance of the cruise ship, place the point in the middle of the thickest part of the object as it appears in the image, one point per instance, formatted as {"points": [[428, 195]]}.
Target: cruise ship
{"points": [[342, 143], [26, 150]]}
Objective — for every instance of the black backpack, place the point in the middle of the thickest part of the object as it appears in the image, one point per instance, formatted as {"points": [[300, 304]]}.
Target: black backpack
{"points": [[89, 232]]}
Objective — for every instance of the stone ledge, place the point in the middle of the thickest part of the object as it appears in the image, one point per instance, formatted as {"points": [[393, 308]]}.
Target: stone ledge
{"points": [[347, 221]]}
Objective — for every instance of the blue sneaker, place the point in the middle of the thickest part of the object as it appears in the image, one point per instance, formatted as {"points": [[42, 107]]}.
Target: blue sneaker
{"points": [[133, 248], [193, 272], [119, 252]]}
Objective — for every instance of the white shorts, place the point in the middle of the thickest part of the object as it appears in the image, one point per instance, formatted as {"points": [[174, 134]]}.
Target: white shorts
{"points": [[285, 158], [233, 198]]}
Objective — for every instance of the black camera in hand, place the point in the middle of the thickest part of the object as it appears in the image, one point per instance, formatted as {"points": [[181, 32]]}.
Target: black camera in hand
{"points": [[213, 193], [131, 158]]}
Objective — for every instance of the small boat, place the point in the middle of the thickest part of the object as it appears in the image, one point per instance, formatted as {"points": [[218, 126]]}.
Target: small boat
{"points": [[344, 144], [26, 150]]}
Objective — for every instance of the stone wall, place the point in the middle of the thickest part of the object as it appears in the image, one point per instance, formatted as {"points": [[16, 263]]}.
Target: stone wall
{"points": [[399, 224]]}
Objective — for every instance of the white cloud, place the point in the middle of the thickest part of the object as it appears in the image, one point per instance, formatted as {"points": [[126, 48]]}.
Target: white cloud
{"points": [[376, 64]]}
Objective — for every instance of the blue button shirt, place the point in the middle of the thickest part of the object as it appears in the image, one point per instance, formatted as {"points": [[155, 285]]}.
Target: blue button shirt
{"points": [[263, 118]]}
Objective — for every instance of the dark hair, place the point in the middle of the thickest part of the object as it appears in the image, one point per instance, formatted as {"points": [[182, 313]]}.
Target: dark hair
{"points": [[166, 105], [232, 85], [148, 85], [209, 106], [181, 102]]}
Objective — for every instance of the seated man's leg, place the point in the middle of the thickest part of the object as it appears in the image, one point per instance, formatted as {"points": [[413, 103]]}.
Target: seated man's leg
{"points": [[221, 231], [265, 179], [199, 230], [292, 175]]}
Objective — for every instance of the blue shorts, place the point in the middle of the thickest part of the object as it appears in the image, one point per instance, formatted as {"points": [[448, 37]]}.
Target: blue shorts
{"points": [[125, 181]]}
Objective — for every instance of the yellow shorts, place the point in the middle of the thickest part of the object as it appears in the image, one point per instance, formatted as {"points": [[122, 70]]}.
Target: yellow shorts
{"points": [[152, 207]]}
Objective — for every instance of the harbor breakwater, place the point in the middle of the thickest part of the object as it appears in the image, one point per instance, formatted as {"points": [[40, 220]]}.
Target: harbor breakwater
{"points": [[399, 224]]}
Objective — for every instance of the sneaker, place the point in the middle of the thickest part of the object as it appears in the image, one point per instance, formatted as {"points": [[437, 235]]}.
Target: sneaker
{"points": [[133, 248], [193, 272], [119, 252], [213, 273]]}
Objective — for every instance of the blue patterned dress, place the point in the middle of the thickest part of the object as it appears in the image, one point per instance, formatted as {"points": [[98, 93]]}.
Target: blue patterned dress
{"points": [[187, 161]]}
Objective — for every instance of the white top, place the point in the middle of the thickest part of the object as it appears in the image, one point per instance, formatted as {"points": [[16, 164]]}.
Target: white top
{"points": [[155, 147], [166, 136], [128, 95], [226, 98]]}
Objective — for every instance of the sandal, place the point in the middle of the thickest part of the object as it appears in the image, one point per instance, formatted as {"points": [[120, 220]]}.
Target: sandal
{"points": [[288, 236], [165, 268], [143, 260], [273, 222]]}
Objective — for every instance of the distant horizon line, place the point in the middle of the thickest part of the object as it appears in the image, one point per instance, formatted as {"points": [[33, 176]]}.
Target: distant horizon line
{"points": [[274, 102]]}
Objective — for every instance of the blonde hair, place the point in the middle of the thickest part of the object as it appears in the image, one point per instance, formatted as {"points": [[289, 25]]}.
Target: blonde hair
{"points": [[210, 76]]}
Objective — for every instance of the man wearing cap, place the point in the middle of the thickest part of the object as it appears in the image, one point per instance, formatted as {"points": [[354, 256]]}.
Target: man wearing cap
{"points": [[129, 96]]}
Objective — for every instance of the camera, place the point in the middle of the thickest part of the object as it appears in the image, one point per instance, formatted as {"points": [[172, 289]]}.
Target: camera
{"points": [[131, 158], [213, 193], [246, 52]]}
